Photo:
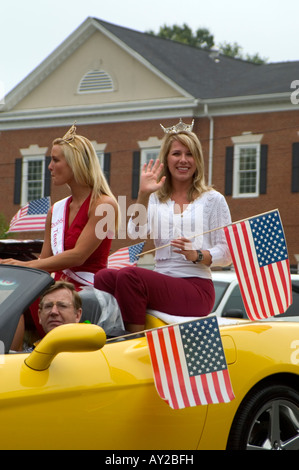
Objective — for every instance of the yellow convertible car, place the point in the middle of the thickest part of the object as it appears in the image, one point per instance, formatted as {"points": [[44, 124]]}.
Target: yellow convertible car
{"points": [[79, 390]]}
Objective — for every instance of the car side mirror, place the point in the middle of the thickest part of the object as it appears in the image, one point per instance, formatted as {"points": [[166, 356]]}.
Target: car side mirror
{"points": [[74, 337]]}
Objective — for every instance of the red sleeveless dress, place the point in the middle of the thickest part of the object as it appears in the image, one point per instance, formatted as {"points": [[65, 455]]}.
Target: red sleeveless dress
{"points": [[98, 259]]}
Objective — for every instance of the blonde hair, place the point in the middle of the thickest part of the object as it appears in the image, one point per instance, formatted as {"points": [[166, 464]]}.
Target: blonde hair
{"points": [[81, 157], [191, 141]]}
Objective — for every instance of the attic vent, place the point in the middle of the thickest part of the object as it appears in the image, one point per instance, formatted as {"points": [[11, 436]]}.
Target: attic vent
{"points": [[96, 81]]}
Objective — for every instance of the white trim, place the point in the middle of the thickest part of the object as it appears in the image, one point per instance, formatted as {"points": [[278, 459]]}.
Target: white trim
{"points": [[252, 104], [247, 138], [98, 147], [137, 111], [151, 142], [97, 114], [34, 150]]}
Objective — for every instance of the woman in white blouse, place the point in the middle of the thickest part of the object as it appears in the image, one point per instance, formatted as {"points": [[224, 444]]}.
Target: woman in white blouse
{"points": [[181, 215]]}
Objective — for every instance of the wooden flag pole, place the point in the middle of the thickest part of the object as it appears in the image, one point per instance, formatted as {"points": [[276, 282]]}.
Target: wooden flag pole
{"points": [[143, 332], [208, 231]]}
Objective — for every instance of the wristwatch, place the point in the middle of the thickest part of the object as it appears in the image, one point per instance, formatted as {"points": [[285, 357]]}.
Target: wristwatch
{"points": [[199, 257]]}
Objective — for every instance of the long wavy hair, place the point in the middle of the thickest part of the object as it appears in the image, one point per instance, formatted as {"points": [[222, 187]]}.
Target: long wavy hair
{"points": [[81, 157], [191, 141]]}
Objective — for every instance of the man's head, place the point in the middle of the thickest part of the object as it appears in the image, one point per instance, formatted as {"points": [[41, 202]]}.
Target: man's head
{"points": [[59, 305]]}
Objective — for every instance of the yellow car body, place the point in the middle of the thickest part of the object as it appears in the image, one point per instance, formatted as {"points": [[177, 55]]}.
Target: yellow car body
{"points": [[78, 391]]}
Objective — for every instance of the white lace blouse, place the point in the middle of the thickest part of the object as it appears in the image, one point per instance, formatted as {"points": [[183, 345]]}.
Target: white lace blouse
{"points": [[209, 211]]}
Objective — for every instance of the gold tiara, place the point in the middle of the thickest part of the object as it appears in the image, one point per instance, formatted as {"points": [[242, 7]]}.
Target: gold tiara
{"points": [[70, 135], [180, 127]]}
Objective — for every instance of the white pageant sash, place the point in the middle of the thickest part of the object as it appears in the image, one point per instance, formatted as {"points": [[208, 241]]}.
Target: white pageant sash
{"points": [[57, 226], [57, 242]]}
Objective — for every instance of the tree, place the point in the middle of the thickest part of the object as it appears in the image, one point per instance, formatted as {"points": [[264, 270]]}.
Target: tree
{"points": [[3, 226], [203, 39], [234, 50]]}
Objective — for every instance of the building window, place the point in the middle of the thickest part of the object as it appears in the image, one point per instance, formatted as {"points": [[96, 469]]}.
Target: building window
{"points": [[248, 165], [104, 158], [149, 150], [148, 154], [246, 170], [100, 156], [33, 178]]}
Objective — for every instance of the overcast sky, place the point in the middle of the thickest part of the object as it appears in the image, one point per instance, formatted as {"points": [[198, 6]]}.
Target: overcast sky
{"points": [[31, 29]]}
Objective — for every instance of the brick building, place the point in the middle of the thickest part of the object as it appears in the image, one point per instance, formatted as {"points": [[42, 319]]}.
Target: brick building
{"points": [[119, 85]]}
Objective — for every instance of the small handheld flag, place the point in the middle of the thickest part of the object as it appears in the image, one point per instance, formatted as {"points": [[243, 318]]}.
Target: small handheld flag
{"points": [[260, 257], [189, 363]]}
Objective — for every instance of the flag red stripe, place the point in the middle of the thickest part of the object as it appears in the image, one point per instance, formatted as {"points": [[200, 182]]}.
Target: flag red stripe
{"points": [[230, 246], [217, 387], [206, 388], [277, 293], [178, 366], [228, 384], [269, 300], [167, 369], [237, 241], [252, 277], [195, 393], [155, 364], [284, 281], [288, 283]]}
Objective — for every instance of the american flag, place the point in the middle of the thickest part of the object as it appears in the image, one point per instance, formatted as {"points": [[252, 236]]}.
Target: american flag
{"points": [[189, 364], [124, 257], [31, 217], [260, 257]]}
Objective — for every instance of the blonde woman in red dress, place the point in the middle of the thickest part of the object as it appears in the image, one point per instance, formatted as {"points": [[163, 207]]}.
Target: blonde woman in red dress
{"points": [[73, 248]]}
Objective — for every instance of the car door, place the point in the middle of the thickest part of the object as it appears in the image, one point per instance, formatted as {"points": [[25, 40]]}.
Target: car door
{"points": [[105, 399]]}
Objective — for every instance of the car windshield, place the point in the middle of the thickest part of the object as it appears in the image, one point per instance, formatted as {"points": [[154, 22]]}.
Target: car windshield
{"points": [[220, 288], [235, 299], [293, 310], [7, 287], [19, 288]]}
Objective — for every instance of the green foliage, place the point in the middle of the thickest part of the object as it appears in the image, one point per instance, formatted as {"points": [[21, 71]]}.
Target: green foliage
{"points": [[3, 226], [202, 38], [234, 50]]}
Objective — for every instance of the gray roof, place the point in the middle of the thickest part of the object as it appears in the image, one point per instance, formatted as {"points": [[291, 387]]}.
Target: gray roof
{"points": [[199, 74]]}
